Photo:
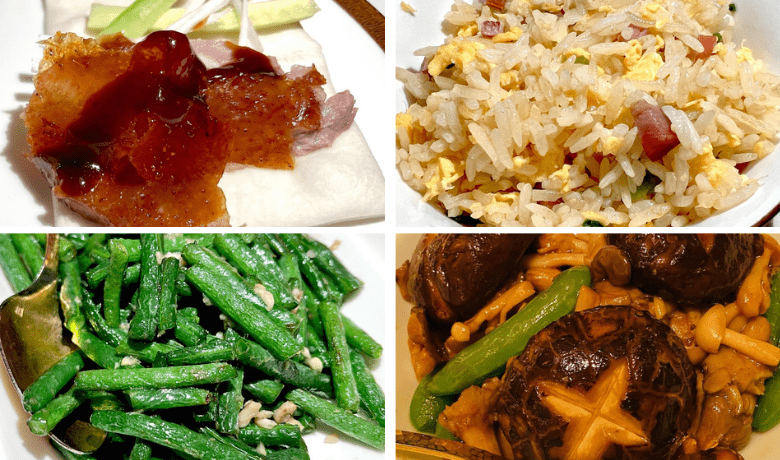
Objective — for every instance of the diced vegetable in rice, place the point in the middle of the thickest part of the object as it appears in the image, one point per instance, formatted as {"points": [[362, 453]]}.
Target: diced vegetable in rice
{"points": [[532, 125]]}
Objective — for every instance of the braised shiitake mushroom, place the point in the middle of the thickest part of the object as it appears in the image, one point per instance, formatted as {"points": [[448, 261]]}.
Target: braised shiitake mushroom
{"points": [[453, 276], [689, 269], [609, 382]]}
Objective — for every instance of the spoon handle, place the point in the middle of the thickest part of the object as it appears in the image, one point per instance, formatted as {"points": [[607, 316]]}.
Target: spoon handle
{"points": [[441, 448]]}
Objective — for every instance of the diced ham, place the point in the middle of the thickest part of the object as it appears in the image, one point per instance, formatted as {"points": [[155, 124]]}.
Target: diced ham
{"points": [[490, 29], [637, 31], [655, 130], [708, 42], [497, 4]]}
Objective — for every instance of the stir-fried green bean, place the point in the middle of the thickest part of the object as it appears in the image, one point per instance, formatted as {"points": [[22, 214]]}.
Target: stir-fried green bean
{"points": [[141, 451], [169, 272], [166, 377], [209, 352], [43, 390], [168, 398], [343, 378], [322, 289], [358, 338], [168, 434], [265, 391], [229, 405], [12, 264], [324, 259], [231, 442], [363, 430], [279, 435], [147, 342], [372, 398], [112, 288], [46, 418], [144, 323], [254, 321], [30, 251], [290, 372], [241, 256]]}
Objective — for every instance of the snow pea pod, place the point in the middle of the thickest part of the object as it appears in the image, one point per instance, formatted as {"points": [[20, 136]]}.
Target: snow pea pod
{"points": [[489, 354], [425, 408], [767, 413]]}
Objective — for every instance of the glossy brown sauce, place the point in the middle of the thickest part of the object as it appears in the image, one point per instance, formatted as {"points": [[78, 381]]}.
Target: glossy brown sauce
{"points": [[150, 142]]}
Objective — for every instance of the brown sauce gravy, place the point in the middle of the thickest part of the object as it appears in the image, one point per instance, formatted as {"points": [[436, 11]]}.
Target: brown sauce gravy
{"points": [[149, 146]]}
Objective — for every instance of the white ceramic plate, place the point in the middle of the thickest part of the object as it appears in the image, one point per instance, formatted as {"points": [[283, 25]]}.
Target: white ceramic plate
{"points": [[756, 22], [341, 37], [761, 447], [362, 254]]}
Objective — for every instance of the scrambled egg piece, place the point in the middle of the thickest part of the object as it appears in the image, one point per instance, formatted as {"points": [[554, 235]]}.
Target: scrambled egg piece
{"points": [[546, 166], [562, 176], [763, 148], [744, 54], [508, 37], [633, 54], [639, 67], [706, 163], [444, 178], [468, 31], [611, 145], [414, 131], [654, 11], [457, 51], [510, 80], [518, 162]]}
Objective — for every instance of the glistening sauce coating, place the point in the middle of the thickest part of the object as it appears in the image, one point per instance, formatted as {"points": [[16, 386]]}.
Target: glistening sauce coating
{"points": [[139, 135]]}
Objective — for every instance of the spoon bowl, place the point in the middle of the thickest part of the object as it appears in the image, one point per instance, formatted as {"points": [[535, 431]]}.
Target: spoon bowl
{"points": [[426, 447], [32, 340]]}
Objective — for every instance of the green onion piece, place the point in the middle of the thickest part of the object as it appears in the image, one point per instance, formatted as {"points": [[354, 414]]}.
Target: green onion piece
{"points": [[137, 18], [592, 223], [645, 188]]}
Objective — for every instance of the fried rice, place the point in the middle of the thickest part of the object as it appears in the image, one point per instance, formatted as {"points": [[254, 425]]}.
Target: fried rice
{"points": [[523, 117]]}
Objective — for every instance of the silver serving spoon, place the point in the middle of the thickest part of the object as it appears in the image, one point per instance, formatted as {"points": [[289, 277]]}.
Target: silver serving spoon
{"points": [[31, 340], [425, 447]]}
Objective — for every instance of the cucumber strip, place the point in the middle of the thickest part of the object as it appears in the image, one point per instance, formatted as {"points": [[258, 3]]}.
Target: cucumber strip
{"points": [[137, 18], [263, 15]]}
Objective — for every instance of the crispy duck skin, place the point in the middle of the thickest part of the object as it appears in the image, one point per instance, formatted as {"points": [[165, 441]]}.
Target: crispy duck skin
{"points": [[140, 134]]}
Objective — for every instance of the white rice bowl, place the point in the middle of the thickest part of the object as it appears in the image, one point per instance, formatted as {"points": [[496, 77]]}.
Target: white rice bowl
{"points": [[490, 165]]}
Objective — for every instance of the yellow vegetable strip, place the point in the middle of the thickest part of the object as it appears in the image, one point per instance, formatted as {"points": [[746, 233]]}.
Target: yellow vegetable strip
{"points": [[751, 298], [553, 260], [513, 296]]}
